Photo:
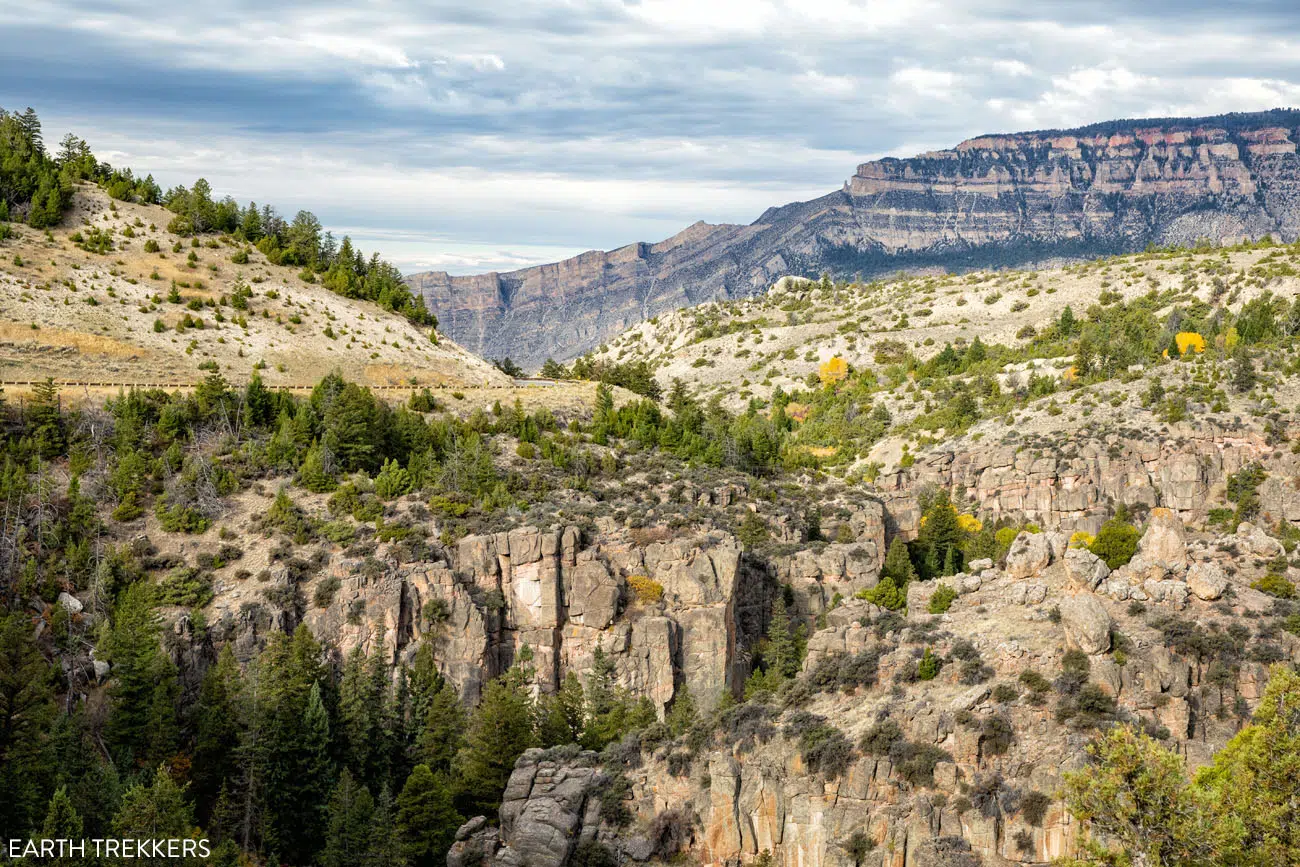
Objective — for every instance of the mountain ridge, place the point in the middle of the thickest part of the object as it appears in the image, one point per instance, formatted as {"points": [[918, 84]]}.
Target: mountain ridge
{"points": [[1109, 187]]}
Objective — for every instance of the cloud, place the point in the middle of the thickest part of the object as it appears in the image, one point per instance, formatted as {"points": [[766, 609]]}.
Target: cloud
{"points": [[494, 133]]}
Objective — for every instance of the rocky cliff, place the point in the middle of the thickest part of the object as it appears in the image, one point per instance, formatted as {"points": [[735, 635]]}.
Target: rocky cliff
{"points": [[992, 199], [963, 770]]}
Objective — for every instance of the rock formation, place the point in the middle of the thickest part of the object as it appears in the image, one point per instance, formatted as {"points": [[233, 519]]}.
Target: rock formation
{"points": [[993, 199]]}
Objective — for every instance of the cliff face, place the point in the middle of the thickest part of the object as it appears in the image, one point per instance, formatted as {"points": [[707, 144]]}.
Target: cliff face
{"points": [[1010, 198]]}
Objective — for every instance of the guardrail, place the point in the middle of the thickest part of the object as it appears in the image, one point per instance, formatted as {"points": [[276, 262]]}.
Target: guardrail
{"points": [[171, 386]]}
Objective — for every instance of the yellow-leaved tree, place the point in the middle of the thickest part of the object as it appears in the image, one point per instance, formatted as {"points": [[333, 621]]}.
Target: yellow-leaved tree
{"points": [[833, 371]]}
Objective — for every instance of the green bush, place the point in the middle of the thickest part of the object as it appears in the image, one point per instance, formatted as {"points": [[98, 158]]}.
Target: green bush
{"points": [[928, 667], [1116, 543], [942, 599], [1275, 585]]}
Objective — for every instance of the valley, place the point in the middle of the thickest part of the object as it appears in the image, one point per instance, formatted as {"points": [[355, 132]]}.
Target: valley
{"points": [[927, 570]]}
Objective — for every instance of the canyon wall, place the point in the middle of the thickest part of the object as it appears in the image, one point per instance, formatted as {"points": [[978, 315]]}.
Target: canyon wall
{"points": [[991, 200]]}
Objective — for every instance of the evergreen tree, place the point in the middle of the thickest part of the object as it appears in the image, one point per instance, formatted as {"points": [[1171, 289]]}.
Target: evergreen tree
{"points": [[499, 732], [142, 695], [898, 563], [315, 774], [681, 716], [358, 722], [26, 709], [217, 732], [1244, 377], [156, 811], [426, 818], [44, 420], [351, 811], [443, 730], [782, 657], [385, 847], [62, 822], [1254, 781]]}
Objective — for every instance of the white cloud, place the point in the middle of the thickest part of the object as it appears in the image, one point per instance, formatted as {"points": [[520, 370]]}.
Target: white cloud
{"points": [[502, 132]]}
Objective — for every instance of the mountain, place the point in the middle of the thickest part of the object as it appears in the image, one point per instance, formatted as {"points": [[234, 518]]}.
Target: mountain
{"points": [[995, 199]]}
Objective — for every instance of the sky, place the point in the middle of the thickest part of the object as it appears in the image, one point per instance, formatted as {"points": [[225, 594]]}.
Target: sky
{"points": [[477, 135]]}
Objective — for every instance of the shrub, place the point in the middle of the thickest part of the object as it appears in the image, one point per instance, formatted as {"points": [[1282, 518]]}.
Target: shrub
{"points": [[942, 599], [1034, 806], [915, 763], [881, 737], [189, 587], [1082, 539], [996, 735], [1275, 584], [325, 591], [858, 846], [647, 590], [1116, 543], [1005, 693], [929, 665], [180, 519]]}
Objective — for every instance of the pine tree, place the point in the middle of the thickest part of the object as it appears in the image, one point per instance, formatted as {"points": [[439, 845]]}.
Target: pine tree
{"points": [[499, 732], [62, 822], [26, 709], [443, 730], [351, 812], [898, 563], [1244, 377], [564, 714], [44, 421], [681, 716], [357, 714], [292, 752], [928, 667], [318, 473], [314, 778], [426, 818], [781, 657], [217, 730], [157, 811], [385, 847], [144, 679]]}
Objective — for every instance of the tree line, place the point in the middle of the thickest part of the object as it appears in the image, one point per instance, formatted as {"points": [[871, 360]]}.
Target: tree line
{"points": [[36, 187]]}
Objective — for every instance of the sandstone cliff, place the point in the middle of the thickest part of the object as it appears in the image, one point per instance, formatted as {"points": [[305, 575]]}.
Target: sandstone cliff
{"points": [[992, 199]]}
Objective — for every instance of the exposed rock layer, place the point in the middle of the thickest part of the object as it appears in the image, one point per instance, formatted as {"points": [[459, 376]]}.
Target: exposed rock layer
{"points": [[1101, 189]]}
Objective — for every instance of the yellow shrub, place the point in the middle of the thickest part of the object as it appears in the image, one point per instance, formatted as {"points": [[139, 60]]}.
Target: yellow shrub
{"points": [[1189, 340], [646, 588], [1231, 339], [797, 411], [835, 370], [1080, 539], [969, 523]]}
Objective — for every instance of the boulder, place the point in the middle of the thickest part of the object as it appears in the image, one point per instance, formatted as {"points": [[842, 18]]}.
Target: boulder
{"points": [[1087, 623], [1030, 553], [1164, 541], [70, 603], [1206, 581], [1257, 542], [1084, 569]]}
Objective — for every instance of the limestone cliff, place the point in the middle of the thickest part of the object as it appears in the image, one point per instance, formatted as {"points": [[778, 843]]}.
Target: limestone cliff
{"points": [[1008, 198]]}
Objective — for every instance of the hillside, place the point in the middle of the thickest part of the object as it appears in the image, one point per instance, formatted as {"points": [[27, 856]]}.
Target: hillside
{"points": [[84, 302], [992, 200]]}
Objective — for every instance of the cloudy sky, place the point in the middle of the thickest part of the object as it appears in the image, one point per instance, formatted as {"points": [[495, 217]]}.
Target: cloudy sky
{"points": [[470, 135]]}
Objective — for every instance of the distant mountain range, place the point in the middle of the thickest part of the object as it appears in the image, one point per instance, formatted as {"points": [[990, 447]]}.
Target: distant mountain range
{"points": [[995, 199]]}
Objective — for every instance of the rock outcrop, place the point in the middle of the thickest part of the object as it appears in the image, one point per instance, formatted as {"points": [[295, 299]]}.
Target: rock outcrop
{"points": [[993, 199]]}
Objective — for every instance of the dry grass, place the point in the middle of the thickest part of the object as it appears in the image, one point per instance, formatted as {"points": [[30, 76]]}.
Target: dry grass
{"points": [[86, 344], [105, 308]]}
